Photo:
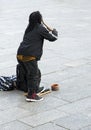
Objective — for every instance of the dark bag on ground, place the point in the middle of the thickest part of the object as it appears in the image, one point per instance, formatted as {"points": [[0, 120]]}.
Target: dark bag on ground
{"points": [[7, 83], [21, 78]]}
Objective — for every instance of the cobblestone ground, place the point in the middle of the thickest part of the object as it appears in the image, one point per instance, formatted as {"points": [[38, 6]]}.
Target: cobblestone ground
{"points": [[66, 62]]}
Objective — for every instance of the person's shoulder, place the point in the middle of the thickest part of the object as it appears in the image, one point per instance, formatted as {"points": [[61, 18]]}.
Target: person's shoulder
{"points": [[41, 27]]}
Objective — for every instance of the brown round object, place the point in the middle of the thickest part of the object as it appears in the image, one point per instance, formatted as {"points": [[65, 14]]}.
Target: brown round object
{"points": [[54, 87]]}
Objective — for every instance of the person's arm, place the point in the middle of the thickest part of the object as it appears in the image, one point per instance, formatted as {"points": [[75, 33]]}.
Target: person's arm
{"points": [[46, 33], [54, 31]]}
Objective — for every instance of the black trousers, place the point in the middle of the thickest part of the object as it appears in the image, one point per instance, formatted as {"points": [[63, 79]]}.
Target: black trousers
{"points": [[33, 75]]}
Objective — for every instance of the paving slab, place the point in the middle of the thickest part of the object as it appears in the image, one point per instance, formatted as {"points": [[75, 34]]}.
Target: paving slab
{"points": [[73, 122], [75, 88], [12, 114], [66, 73], [11, 99], [42, 118], [86, 128], [15, 125], [49, 103], [49, 126], [82, 106]]}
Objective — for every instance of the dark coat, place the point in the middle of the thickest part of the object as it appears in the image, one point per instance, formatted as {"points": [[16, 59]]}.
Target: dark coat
{"points": [[32, 44]]}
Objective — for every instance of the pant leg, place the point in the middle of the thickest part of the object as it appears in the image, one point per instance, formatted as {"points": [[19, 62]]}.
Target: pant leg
{"points": [[21, 77], [38, 79], [32, 76]]}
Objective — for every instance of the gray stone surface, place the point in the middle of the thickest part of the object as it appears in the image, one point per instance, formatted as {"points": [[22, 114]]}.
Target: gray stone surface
{"points": [[12, 114], [78, 88], [42, 118], [66, 62], [11, 99], [15, 125], [73, 122], [82, 106], [86, 128], [49, 102], [49, 126]]}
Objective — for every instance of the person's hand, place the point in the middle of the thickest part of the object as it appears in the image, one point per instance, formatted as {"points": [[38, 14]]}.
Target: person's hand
{"points": [[55, 32]]}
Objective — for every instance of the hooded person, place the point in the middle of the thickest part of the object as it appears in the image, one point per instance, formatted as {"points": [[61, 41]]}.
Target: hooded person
{"points": [[30, 52]]}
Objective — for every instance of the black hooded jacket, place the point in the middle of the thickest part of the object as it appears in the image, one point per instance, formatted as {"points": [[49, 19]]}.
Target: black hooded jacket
{"points": [[32, 44]]}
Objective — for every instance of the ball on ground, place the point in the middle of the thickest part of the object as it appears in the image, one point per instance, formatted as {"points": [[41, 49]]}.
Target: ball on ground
{"points": [[55, 87]]}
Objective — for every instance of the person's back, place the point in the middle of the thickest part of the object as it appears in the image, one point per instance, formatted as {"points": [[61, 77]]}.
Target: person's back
{"points": [[33, 41]]}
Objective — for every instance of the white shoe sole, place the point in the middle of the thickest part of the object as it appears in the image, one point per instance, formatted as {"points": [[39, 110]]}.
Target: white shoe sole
{"points": [[33, 100]]}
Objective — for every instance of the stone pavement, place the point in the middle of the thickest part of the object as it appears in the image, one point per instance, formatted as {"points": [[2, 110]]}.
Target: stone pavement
{"points": [[66, 62]]}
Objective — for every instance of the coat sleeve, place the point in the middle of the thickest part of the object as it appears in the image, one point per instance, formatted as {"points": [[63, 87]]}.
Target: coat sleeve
{"points": [[47, 35]]}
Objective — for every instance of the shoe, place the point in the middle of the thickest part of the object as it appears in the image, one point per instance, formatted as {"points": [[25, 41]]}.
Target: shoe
{"points": [[34, 98], [40, 90]]}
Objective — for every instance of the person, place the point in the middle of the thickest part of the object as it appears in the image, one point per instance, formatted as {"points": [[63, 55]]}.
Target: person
{"points": [[31, 50]]}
